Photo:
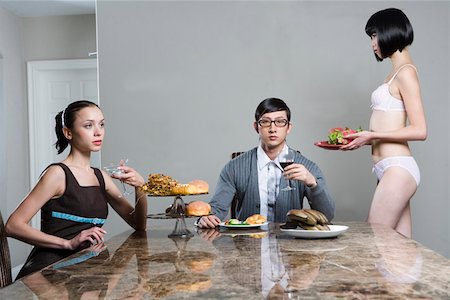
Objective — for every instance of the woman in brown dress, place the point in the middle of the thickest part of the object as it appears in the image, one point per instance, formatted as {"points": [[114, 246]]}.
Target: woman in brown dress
{"points": [[73, 196]]}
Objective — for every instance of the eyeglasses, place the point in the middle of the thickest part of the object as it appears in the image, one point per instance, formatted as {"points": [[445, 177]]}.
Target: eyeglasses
{"points": [[268, 123]]}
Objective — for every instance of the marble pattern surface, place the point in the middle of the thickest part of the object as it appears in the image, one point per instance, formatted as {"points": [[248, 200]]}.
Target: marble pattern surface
{"points": [[365, 262]]}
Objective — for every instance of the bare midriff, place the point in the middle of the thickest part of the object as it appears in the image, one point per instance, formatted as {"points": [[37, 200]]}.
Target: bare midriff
{"points": [[385, 121]]}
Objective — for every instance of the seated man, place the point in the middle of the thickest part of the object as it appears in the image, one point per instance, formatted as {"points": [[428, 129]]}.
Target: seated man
{"points": [[255, 177]]}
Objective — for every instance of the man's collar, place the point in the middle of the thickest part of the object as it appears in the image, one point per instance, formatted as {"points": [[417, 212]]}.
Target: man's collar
{"points": [[263, 159]]}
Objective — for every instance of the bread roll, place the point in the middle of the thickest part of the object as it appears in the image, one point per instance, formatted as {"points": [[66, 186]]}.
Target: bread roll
{"points": [[184, 189], [198, 208], [256, 219], [201, 186]]}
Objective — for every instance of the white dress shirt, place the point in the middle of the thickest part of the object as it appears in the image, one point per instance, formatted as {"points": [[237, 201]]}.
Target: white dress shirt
{"points": [[272, 267], [267, 169]]}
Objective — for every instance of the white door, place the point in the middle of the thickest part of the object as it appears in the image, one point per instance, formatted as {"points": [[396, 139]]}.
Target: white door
{"points": [[52, 85]]}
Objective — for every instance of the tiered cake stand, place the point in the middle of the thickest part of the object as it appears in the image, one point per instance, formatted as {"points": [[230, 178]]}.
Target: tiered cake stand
{"points": [[177, 211]]}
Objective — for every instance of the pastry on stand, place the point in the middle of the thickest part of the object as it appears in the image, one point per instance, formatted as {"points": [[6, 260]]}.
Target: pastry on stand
{"points": [[160, 185]]}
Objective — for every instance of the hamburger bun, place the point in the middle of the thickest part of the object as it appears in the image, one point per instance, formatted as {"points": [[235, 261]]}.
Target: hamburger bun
{"points": [[184, 189], [256, 219], [297, 215], [201, 186], [198, 208]]}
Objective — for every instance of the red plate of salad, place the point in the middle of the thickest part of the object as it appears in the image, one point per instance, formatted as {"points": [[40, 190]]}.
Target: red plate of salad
{"points": [[337, 137], [326, 145]]}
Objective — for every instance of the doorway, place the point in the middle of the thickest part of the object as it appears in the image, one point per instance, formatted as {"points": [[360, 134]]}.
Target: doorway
{"points": [[52, 85]]}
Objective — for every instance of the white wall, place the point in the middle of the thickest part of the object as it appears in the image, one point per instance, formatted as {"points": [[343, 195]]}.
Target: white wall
{"points": [[179, 83], [2, 136], [191, 74], [59, 37], [21, 40], [14, 139]]}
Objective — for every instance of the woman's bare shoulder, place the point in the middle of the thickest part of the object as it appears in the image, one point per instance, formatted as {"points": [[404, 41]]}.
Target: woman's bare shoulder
{"points": [[52, 183], [53, 172], [407, 72]]}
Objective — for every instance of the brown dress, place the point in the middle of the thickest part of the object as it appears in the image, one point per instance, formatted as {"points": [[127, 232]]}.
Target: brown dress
{"points": [[78, 209]]}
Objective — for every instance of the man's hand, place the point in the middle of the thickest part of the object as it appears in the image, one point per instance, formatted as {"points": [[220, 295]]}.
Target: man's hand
{"points": [[208, 222], [300, 173]]}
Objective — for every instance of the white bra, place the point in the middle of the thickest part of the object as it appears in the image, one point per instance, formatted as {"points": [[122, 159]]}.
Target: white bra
{"points": [[383, 100]]}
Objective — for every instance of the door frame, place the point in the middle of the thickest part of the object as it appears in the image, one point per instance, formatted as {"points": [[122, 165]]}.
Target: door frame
{"points": [[33, 69]]}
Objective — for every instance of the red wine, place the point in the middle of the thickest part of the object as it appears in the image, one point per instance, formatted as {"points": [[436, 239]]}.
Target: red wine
{"points": [[284, 164]]}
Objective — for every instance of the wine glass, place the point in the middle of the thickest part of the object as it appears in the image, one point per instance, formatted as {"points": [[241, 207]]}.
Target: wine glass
{"points": [[113, 169], [285, 159]]}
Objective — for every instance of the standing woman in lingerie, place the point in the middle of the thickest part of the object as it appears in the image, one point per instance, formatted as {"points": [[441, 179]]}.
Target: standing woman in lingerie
{"points": [[72, 196], [397, 118]]}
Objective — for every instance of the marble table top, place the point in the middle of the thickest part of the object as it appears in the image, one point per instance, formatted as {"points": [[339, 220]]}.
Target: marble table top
{"points": [[365, 262]]}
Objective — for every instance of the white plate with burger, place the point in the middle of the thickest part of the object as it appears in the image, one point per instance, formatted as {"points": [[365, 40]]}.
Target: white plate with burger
{"points": [[253, 221], [334, 231], [242, 225]]}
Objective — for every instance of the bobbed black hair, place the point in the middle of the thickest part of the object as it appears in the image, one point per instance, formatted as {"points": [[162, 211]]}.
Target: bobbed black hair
{"points": [[393, 29], [69, 115], [271, 105]]}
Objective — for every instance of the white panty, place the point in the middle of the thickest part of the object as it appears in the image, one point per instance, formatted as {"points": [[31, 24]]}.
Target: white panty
{"points": [[406, 162]]}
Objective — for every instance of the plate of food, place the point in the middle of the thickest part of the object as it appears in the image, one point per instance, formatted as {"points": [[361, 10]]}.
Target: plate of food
{"points": [[334, 231], [242, 225], [337, 137], [326, 145], [310, 223], [253, 221], [160, 185]]}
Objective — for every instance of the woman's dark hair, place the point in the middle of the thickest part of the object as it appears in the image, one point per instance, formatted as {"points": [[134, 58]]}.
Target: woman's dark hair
{"points": [[393, 29], [69, 118], [271, 105]]}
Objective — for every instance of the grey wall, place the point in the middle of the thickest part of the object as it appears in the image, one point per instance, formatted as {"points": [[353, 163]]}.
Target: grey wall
{"points": [[13, 121], [179, 83], [191, 74], [59, 37], [21, 40]]}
